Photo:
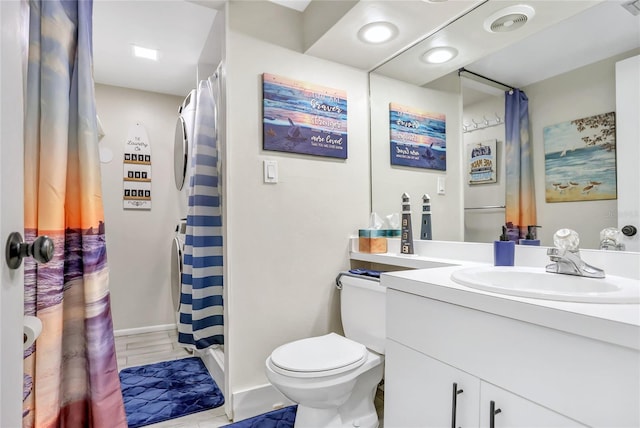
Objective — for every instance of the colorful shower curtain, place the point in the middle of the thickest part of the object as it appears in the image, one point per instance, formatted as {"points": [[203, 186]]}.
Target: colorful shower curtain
{"points": [[201, 311], [520, 195], [71, 376]]}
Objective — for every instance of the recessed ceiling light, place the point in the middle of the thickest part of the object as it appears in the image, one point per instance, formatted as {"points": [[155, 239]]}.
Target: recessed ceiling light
{"points": [[378, 32], [439, 55], [140, 52]]}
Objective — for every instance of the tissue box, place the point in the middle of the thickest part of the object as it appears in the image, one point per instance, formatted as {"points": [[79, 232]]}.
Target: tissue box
{"points": [[393, 233], [372, 241]]}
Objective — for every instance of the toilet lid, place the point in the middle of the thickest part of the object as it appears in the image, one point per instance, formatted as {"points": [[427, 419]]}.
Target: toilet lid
{"points": [[319, 354]]}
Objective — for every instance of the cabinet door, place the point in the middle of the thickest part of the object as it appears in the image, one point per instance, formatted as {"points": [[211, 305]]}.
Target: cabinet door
{"points": [[512, 411], [419, 391]]}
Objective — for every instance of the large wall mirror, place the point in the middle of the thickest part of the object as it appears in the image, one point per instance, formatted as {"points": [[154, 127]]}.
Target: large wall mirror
{"points": [[563, 55]]}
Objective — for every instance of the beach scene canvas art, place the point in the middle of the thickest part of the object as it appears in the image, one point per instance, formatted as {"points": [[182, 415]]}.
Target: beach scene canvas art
{"points": [[580, 159], [418, 138], [301, 117]]}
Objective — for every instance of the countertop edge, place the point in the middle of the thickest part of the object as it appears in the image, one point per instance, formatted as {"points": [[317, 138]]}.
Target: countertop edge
{"points": [[617, 324]]}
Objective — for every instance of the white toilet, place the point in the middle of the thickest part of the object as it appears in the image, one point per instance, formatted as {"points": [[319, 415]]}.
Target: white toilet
{"points": [[334, 378]]}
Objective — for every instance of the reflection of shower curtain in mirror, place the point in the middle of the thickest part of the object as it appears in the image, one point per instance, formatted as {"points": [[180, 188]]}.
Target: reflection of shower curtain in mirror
{"points": [[71, 375], [201, 309], [520, 196]]}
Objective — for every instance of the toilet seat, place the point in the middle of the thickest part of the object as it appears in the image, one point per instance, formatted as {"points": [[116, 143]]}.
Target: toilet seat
{"points": [[320, 356]]}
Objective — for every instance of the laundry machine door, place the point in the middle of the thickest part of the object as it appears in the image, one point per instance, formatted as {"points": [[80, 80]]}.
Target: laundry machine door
{"points": [[176, 272], [180, 152]]}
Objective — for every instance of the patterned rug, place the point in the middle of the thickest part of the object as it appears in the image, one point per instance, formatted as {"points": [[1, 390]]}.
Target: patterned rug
{"points": [[167, 390], [281, 418]]}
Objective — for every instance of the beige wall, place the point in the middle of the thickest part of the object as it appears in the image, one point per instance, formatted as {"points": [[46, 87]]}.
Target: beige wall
{"points": [[484, 225], [286, 242], [388, 182], [139, 242], [584, 92]]}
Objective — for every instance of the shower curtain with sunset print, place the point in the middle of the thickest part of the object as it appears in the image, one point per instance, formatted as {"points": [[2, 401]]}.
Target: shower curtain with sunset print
{"points": [[520, 198], [71, 376]]}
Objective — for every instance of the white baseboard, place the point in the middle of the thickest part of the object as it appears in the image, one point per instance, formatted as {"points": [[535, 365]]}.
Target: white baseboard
{"points": [[141, 330], [258, 400]]}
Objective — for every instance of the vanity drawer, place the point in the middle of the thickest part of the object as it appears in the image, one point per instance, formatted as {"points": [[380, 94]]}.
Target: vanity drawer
{"points": [[590, 381]]}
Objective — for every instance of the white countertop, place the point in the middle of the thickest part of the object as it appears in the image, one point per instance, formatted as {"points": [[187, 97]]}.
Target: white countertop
{"points": [[613, 323]]}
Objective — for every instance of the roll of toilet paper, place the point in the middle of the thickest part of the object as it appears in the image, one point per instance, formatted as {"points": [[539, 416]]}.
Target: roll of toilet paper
{"points": [[32, 329]]}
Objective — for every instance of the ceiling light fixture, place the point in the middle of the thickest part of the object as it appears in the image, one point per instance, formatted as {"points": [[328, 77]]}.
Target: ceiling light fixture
{"points": [[439, 55], [378, 32], [140, 52]]}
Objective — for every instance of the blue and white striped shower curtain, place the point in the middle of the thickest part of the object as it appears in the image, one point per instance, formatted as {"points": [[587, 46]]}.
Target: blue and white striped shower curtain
{"points": [[201, 322]]}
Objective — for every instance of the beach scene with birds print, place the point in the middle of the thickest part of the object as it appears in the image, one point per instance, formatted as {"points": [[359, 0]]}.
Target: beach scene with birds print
{"points": [[580, 159]]}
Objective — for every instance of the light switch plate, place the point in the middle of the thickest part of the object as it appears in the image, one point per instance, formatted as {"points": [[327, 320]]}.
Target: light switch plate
{"points": [[441, 185], [270, 170]]}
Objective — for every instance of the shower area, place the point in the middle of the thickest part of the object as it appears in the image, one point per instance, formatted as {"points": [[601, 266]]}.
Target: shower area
{"points": [[197, 251], [179, 100]]}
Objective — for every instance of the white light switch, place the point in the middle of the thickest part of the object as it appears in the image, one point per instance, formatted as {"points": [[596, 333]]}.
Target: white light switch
{"points": [[270, 169], [441, 181]]}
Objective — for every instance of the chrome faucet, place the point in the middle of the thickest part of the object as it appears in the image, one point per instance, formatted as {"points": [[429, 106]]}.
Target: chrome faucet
{"points": [[569, 263], [566, 256]]}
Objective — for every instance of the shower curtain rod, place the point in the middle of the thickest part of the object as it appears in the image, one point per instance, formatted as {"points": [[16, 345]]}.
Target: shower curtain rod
{"points": [[464, 70]]}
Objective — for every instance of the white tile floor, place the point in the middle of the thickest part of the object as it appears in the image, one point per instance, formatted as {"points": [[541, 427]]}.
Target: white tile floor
{"points": [[149, 348]]}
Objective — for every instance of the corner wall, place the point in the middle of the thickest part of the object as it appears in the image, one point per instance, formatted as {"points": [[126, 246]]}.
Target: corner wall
{"points": [[389, 182], [139, 241], [581, 93], [287, 241], [484, 225]]}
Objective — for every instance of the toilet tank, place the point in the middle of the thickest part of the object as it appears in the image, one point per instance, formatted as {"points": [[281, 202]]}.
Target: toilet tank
{"points": [[363, 310]]}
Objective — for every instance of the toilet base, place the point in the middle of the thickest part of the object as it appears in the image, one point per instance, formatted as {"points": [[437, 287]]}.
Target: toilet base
{"points": [[358, 411], [307, 417]]}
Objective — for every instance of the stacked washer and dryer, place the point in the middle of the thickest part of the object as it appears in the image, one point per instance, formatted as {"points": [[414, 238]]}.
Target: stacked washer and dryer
{"points": [[183, 145]]}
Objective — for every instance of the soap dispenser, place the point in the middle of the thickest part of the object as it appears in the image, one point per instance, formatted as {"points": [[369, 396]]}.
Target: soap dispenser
{"points": [[530, 238], [504, 250]]}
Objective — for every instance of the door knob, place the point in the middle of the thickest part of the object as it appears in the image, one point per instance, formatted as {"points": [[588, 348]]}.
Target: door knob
{"points": [[41, 249]]}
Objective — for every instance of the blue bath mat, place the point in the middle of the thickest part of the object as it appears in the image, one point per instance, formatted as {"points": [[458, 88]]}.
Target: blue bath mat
{"points": [[281, 418], [167, 390]]}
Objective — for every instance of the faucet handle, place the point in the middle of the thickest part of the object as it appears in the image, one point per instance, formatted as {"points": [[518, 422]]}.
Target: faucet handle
{"points": [[566, 239], [611, 239]]}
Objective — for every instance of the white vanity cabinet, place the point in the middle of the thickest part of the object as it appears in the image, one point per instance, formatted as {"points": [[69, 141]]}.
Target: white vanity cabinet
{"points": [[504, 409], [419, 391], [422, 392], [536, 376]]}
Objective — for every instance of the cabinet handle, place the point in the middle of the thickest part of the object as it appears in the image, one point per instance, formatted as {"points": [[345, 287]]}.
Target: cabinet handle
{"points": [[492, 414], [454, 403]]}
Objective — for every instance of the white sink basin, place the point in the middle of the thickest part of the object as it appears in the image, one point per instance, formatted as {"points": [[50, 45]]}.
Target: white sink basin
{"points": [[539, 284]]}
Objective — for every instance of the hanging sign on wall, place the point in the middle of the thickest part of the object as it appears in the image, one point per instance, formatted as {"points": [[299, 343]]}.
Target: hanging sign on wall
{"points": [[418, 138], [481, 162], [137, 170], [302, 117]]}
